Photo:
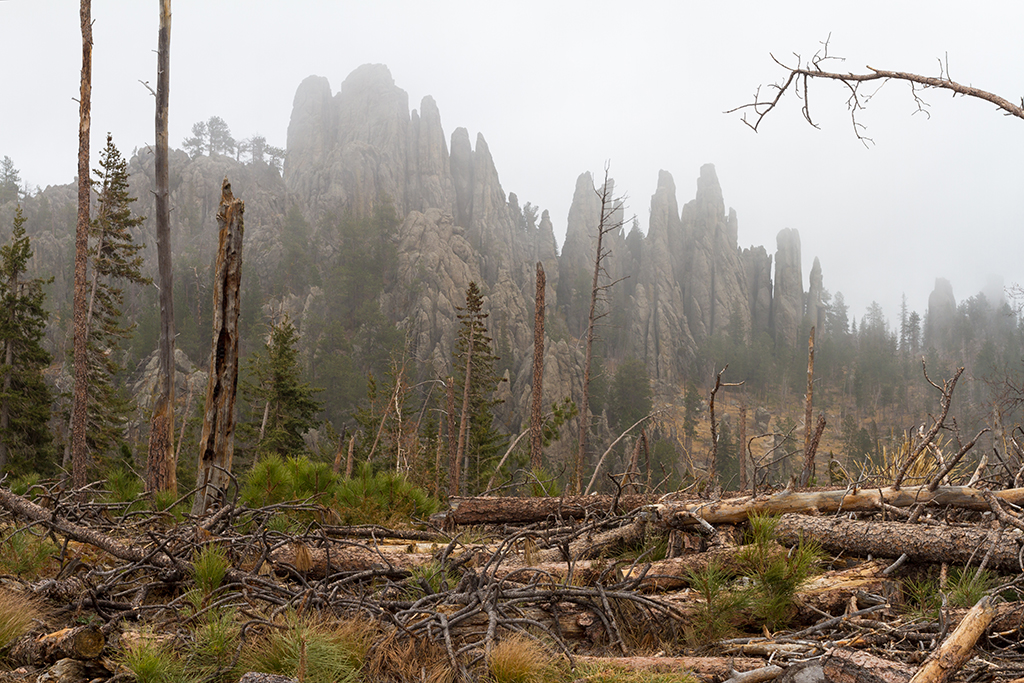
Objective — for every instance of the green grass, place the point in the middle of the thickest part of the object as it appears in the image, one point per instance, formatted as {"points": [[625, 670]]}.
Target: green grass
{"points": [[315, 651], [152, 662], [17, 612], [24, 554], [721, 609], [209, 567]]}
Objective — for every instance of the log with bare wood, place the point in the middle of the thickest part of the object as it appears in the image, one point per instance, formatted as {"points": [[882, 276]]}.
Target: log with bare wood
{"points": [[703, 668], [80, 642], [736, 510], [956, 649], [497, 510], [921, 543], [856, 666], [346, 557]]}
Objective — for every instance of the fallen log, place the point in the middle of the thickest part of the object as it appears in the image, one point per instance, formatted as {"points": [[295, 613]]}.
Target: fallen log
{"points": [[318, 562], [956, 649], [921, 543], [80, 642], [857, 666], [497, 510], [714, 669], [736, 510]]}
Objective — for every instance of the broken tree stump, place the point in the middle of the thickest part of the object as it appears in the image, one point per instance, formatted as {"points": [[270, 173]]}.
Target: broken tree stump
{"points": [[921, 543], [80, 642], [217, 445]]}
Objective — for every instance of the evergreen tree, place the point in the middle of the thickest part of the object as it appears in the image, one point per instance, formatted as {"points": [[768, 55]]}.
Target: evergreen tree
{"points": [[631, 395], [480, 442], [114, 261], [10, 181], [25, 439], [289, 406]]}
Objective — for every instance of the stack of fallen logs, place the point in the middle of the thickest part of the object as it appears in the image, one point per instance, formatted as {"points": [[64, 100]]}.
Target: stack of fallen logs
{"points": [[553, 568]]}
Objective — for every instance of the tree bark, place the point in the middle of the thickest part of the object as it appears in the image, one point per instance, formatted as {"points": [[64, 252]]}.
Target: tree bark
{"points": [[956, 649], [856, 666], [496, 510], [536, 400], [736, 510], [79, 452], [808, 470], [161, 471], [217, 445], [920, 542], [705, 668], [453, 450], [80, 642]]}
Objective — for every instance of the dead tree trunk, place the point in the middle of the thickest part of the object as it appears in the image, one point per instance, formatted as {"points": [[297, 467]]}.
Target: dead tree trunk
{"points": [[743, 444], [79, 452], [736, 510], [956, 649], [808, 471], [453, 451], [537, 401], [161, 468], [611, 208], [946, 391], [496, 510], [217, 445], [919, 542]]}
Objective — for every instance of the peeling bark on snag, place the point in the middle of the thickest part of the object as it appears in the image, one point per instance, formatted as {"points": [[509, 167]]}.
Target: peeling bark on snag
{"points": [[921, 543], [217, 445]]}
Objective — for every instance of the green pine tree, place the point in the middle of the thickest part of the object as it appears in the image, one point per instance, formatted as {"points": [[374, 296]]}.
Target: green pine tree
{"points": [[25, 439], [484, 443], [114, 261], [289, 408]]}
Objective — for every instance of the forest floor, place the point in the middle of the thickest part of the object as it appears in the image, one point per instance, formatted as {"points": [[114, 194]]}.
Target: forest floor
{"points": [[833, 584]]}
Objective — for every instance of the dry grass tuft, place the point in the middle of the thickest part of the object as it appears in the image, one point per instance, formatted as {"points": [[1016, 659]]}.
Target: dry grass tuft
{"points": [[396, 657], [519, 659], [17, 612]]}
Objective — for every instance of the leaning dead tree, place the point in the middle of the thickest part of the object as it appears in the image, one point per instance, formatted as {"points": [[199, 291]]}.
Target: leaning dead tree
{"points": [[798, 79], [610, 221], [217, 445]]}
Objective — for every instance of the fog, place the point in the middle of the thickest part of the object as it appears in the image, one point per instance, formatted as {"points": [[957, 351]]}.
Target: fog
{"points": [[562, 88]]}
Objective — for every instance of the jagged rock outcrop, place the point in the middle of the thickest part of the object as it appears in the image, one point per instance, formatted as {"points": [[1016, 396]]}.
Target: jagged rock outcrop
{"points": [[941, 312], [815, 309], [788, 302], [757, 263]]}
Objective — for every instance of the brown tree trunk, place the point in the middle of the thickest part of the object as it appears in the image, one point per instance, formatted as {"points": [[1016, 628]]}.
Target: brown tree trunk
{"points": [[808, 471], [537, 401], [856, 666], [919, 542], [461, 462], [495, 510], [79, 452], [161, 471], [217, 445], [743, 444], [453, 451], [79, 642], [736, 510]]}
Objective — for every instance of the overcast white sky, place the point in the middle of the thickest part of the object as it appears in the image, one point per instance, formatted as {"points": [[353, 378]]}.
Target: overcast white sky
{"points": [[558, 88]]}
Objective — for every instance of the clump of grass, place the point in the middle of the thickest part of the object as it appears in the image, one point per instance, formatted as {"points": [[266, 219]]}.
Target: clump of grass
{"points": [[519, 659], [124, 486], [152, 662], [721, 608], [380, 498], [211, 653], [22, 484], [921, 595], [609, 673], [776, 573], [967, 585], [315, 651], [428, 579], [209, 567], [17, 612], [24, 554]]}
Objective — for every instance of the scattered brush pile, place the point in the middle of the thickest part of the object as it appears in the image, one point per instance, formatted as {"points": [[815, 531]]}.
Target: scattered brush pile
{"points": [[297, 577]]}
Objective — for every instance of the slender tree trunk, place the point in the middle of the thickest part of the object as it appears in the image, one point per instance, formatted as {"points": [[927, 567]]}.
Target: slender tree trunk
{"points": [[537, 400], [743, 444], [808, 472], [161, 472], [464, 418], [5, 405], [453, 451], [217, 445], [79, 453]]}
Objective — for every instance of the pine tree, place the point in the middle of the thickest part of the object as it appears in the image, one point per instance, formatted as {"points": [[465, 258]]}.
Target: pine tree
{"points": [[289, 406], [114, 260], [25, 439], [479, 441], [10, 181]]}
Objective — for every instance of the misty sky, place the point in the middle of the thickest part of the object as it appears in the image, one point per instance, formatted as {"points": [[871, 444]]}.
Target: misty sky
{"points": [[558, 88]]}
